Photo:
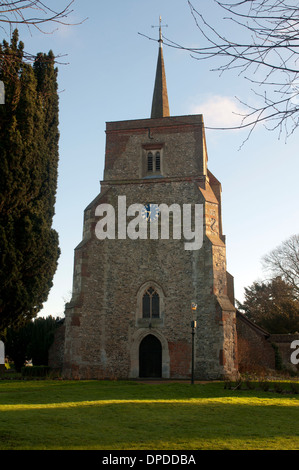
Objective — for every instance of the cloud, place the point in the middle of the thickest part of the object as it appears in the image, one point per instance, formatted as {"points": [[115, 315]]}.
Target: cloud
{"points": [[220, 111]]}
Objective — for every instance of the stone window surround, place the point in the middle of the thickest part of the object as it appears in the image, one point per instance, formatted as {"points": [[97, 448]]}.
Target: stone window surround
{"points": [[153, 148], [149, 322]]}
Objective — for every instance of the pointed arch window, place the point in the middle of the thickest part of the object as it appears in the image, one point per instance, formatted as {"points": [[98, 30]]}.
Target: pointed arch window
{"points": [[151, 304]]}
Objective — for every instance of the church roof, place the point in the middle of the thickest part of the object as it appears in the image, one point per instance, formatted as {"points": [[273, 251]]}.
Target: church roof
{"points": [[160, 105]]}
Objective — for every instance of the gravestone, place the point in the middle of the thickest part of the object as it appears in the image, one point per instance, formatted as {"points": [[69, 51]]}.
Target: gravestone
{"points": [[2, 357]]}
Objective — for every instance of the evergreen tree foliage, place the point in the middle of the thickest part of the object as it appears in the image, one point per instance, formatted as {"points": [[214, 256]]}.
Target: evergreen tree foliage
{"points": [[272, 305], [29, 138], [16, 345], [30, 342], [42, 337]]}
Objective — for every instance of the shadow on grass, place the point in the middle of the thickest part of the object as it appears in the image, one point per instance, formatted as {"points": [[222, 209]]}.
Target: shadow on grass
{"points": [[150, 425], [126, 415], [52, 391]]}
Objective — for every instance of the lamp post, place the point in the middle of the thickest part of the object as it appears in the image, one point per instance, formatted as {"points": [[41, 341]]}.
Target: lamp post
{"points": [[193, 326]]}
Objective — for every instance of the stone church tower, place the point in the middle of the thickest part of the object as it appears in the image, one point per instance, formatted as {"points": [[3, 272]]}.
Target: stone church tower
{"points": [[137, 270]]}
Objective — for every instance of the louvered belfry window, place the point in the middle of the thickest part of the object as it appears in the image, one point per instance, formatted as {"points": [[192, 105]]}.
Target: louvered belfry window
{"points": [[154, 161], [158, 161]]}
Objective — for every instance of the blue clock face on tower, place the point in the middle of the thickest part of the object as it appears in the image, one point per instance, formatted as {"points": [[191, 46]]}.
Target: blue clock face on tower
{"points": [[150, 212]]}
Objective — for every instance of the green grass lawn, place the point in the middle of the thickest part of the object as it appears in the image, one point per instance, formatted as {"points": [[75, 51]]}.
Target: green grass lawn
{"points": [[53, 414]]}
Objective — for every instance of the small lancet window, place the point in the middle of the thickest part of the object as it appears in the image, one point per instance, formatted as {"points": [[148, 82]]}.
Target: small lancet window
{"points": [[158, 160], [153, 162], [151, 304], [150, 161]]}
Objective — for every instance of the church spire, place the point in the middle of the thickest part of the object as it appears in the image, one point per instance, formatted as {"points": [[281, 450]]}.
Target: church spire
{"points": [[160, 106]]}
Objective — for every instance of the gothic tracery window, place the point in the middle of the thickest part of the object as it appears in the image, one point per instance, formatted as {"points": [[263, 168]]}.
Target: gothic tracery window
{"points": [[150, 304]]}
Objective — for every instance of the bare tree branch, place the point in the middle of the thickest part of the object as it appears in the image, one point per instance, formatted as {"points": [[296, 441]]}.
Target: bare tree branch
{"points": [[267, 56], [32, 14], [283, 261]]}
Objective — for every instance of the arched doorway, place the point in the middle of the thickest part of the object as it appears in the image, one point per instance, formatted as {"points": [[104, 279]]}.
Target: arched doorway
{"points": [[150, 357]]}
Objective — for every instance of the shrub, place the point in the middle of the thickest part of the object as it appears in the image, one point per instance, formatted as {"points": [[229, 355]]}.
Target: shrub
{"points": [[294, 387], [227, 385], [278, 387], [238, 384], [264, 385], [36, 371], [278, 358]]}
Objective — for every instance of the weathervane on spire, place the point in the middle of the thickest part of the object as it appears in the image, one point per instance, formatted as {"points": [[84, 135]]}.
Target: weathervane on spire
{"points": [[160, 29]]}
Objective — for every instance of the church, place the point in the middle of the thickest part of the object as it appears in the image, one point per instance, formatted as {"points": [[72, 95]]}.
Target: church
{"points": [[151, 296]]}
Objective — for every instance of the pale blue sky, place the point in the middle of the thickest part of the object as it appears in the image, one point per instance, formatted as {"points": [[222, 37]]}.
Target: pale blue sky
{"points": [[110, 77]]}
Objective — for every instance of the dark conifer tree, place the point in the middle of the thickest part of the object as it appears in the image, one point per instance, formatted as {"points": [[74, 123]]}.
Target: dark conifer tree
{"points": [[272, 305], [29, 138]]}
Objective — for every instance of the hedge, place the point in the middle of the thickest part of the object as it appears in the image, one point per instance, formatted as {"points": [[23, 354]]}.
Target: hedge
{"points": [[35, 371]]}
